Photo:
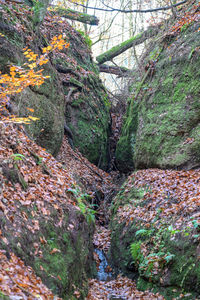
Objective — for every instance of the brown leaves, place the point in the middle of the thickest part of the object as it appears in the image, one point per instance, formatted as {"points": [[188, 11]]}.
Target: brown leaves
{"points": [[16, 279], [186, 19], [101, 238], [163, 194], [121, 287], [87, 172], [54, 251], [44, 192]]}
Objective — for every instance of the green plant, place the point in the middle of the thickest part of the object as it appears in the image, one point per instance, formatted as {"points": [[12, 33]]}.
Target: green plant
{"points": [[144, 232], [154, 263], [196, 224], [86, 37], [85, 209], [39, 162], [37, 8], [172, 230], [184, 27], [136, 253], [88, 212], [17, 156]]}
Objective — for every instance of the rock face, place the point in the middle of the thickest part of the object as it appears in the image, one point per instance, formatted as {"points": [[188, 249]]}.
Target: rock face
{"points": [[73, 94], [161, 128], [155, 216], [87, 105]]}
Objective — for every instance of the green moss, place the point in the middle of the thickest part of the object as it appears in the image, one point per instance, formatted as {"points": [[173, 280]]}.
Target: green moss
{"points": [[168, 292], [126, 145], [93, 135], [166, 114], [56, 264], [91, 122], [76, 82], [77, 102], [64, 260], [86, 37], [101, 58]]}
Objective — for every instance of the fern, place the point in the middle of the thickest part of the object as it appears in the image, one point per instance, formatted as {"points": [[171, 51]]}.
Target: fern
{"points": [[136, 253]]}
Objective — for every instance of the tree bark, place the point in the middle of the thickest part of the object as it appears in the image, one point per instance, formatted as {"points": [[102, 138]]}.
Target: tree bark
{"points": [[75, 15], [135, 40]]}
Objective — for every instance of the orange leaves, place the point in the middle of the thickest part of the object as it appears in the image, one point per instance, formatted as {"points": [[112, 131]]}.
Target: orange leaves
{"points": [[56, 43], [14, 119], [43, 240], [30, 109], [30, 55], [186, 19]]}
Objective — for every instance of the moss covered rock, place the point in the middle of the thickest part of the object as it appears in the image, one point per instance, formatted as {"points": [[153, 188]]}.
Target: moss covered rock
{"points": [[73, 94], [47, 100], [155, 232], [161, 128], [87, 103]]}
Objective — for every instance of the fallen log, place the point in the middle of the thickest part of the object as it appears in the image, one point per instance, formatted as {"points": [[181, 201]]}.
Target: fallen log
{"points": [[62, 12], [74, 15], [120, 71], [135, 40]]}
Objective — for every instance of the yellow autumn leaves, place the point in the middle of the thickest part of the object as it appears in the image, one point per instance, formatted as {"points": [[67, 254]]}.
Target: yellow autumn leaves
{"points": [[22, 77], [29, 73]]}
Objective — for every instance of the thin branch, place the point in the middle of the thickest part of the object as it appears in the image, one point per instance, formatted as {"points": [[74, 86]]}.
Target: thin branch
{"points": [[111, 9]]}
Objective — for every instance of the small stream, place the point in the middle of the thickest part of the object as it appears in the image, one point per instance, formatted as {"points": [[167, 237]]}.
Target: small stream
{"points": [[103, 273]]}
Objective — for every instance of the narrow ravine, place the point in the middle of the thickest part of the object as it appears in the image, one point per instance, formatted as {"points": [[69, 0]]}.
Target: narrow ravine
{"points": [[115, 212], [108, 283]]}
